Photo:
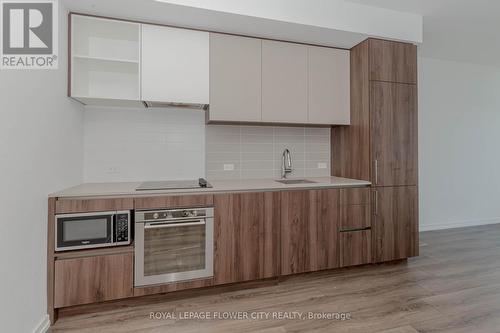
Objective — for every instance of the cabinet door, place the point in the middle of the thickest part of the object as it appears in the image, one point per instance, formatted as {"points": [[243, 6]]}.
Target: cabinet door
{"points": [[93, 279], [329, 86], [395, 223], [393, 61], [394, 133], [246, 236], [355, 213], [175, 65], [284, 82], [355, 248], [309, 230], [235, 78]]}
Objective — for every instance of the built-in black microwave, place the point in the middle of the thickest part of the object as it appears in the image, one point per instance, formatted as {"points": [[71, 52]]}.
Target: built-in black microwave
{"points": [[92, 230]]}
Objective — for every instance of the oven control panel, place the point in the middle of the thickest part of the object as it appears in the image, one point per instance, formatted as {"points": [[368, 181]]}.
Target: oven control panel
{"points": [[121, 228]]}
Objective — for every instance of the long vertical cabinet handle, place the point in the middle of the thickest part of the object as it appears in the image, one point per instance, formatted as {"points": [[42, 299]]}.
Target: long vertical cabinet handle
{"points": [[375, 199], [375, 162]]}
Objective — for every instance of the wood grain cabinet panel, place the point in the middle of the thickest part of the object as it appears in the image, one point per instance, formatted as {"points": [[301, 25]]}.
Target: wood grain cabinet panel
{"points": [[393, 61], [395, 223], [182, 201], [309, 230], [284, 82], [246, 237], [355, 248], [93, 279], [64, 206], [394, 133], [355, 209], [235, 78]]}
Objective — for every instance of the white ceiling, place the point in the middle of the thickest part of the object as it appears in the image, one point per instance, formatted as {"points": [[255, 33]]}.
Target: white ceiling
{"points": [[459, 30]]}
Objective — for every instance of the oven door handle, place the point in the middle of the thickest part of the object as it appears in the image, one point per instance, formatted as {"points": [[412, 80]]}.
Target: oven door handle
{"points": [[171, 225]]}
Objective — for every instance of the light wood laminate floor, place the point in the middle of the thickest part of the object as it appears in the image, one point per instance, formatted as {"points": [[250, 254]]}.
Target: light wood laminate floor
{"points": [[454, 286]]}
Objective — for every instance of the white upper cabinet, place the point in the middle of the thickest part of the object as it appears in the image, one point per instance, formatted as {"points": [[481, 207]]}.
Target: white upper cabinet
{"points": [[328, 86], [105, 60], [235, 78], [175, 65], [284, 82]]}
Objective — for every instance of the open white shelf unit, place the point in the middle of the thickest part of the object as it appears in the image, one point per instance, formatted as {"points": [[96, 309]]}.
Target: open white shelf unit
{"points": [[105, 59]]}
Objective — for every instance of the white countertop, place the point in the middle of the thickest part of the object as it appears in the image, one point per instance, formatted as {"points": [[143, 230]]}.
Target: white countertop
{"points": [[243, 185]]}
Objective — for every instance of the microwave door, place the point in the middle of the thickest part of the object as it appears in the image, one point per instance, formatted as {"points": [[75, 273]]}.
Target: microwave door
{"points": [[78, 231]]}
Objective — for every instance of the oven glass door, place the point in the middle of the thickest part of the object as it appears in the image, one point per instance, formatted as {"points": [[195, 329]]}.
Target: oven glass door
{"points": [[173, 251], [83, 231]]}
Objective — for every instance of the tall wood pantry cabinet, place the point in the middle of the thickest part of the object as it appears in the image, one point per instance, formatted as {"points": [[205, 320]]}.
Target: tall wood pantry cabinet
{"points": [[381, 144]]}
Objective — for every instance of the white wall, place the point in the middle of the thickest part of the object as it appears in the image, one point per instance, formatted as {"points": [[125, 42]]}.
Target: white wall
{"points": [[459, 137], [143, 144], [40, 152]]}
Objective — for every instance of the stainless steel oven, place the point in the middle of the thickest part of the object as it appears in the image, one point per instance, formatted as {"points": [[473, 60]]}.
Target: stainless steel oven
{"points": [[92, 230], [173, 245]]}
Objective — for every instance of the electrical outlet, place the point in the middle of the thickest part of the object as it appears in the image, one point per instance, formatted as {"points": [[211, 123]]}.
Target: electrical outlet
{"points": [[228, 167], [322, 165], [113, 170]]}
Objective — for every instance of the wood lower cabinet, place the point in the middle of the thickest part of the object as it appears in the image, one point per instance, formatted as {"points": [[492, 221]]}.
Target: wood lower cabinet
{"points": [[93, 279], [355, 211], [246, 236], [395, 223], [355, 248], [309, 230]]}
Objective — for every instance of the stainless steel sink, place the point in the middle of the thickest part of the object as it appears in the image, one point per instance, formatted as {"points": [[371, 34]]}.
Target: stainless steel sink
{"points": [[294, 181]]}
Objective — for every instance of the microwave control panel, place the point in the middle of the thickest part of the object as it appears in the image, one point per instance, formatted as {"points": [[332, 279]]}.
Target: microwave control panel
{"points": [[121, 232]]}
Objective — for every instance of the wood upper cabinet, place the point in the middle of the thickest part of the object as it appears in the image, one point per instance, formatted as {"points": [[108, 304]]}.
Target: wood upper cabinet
{"points": [[393, 61], [394, 128], [246, 236], [328, 86], [309, 230], [395, 223], [175, 65], [284, 82], [93, 279], [235, 78]]}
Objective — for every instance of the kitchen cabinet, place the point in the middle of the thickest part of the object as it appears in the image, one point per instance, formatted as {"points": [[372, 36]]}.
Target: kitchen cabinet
{"points": [[235, 78], [93, 279], [392, 62], [104, 61], [246, 236], [355, 248], [175, 65], [309, 230], [328, 86], [393, 109], [395, 223], [355, 211], [284, 82]]}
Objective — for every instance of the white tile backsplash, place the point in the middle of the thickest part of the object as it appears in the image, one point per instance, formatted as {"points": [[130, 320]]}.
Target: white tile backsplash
{"points": [[123, 144], [256, 151]]}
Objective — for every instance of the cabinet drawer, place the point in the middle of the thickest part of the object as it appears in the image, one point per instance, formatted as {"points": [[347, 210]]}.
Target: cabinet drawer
{"points": [[93, 279], [355, 248], [355, 209], [64, 206], [174, 202]]}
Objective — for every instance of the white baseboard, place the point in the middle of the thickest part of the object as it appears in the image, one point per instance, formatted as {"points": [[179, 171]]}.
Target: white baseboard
{"points": [[459, 224], [44, 325]]}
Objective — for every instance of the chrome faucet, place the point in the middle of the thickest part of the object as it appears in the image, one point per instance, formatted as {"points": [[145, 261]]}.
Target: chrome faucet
{"points": [[286, 163]]}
